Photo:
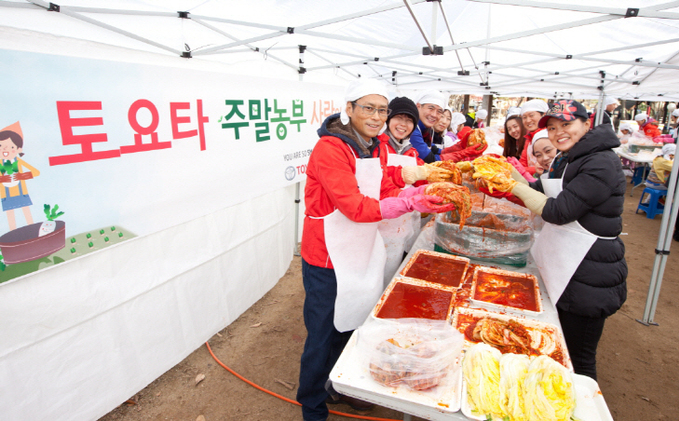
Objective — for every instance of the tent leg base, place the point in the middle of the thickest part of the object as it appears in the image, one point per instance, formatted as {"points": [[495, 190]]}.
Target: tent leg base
{"points": [[647, 323]]}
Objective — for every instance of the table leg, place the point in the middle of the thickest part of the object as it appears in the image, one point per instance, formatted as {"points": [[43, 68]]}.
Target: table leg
{"points": [[644, 174]]}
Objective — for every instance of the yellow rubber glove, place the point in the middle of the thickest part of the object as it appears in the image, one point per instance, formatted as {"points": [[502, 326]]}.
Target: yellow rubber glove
{"points": [[412, 174], [533, 199], [516, 176], [437, 174]]}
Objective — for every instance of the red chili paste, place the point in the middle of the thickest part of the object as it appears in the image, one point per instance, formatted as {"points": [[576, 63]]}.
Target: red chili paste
{"points": [[517, 292], [437, 269], [415, 301]]}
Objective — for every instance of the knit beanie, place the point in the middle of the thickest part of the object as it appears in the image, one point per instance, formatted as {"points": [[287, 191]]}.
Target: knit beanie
{"points": [[403, 105]]}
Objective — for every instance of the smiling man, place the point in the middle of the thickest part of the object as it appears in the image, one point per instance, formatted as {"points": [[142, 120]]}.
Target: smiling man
{"points": [[343, 254], [430, 106]]}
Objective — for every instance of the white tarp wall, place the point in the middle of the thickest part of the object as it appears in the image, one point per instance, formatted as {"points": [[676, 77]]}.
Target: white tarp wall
{"points": [[81, 337], [214, 224]]}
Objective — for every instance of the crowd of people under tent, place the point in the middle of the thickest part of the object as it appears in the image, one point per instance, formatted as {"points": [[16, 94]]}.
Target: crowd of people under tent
{"points": [[366, 189]]}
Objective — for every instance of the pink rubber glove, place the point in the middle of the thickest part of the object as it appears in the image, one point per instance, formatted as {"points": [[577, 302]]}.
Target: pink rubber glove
{"points": [[430, 204], [412, 191], [521, 169], [393, 207]]}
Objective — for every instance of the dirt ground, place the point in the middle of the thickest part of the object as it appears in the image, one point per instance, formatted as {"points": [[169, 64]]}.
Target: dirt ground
{"points": [[637, 364]]}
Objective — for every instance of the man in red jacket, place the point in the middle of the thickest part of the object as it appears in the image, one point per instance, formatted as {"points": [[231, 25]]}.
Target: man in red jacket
{"points": [[343, 255]]}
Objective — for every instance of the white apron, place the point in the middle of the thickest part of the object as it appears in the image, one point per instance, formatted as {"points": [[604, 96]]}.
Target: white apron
{"points": [[399, 234], [357, 254], [559, 249]]}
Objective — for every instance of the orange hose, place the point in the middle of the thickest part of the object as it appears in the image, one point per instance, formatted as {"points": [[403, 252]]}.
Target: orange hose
{"points": [[343, 414]]}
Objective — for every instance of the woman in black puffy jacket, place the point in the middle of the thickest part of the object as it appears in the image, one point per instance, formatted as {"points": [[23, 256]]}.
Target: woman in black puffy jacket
{"points": [[588, 199]]}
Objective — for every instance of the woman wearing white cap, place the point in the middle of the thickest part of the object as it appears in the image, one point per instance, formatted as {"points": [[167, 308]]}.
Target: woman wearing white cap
{"points": [[343, 254], [648, 125], [610, 104], [626, 131], [481, 115], [531, 113], [456, 124], [675, 126], [661, 167]]}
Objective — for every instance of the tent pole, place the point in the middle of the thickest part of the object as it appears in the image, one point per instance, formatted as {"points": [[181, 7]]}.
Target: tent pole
{"points": [[600, 105], [296, 249], [663, 248], [450, 33], [301, 69], [417, 23], [433, 23]]}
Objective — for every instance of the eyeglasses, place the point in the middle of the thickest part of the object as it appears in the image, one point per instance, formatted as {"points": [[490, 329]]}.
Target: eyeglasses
{"points": [[368, 110]]}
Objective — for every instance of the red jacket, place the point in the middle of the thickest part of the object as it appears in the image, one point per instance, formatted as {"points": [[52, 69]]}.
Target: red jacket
{"points": [[394, 172], [524, 155], [331, 184], [650, 128]]}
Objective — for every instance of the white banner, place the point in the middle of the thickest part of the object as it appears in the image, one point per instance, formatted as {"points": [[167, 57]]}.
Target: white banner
{"points": [[147, 147]]}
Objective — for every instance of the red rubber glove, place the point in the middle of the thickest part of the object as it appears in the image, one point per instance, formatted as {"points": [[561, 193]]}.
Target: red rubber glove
{"points": [[469, 153], [430, 204]]}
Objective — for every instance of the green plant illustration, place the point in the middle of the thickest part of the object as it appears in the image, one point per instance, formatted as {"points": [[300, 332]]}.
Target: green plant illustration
{"points": [[9, 168], [52, 214]]}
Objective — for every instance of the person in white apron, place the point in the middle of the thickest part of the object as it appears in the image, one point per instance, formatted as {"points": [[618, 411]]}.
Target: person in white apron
{"points": [[396, 151], [430, 105], [531, 113], [544, 153], [579, 254], [343, 254]]}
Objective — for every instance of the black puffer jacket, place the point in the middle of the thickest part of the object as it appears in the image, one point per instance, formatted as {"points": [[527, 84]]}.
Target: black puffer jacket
{"points": [[593, 194]]}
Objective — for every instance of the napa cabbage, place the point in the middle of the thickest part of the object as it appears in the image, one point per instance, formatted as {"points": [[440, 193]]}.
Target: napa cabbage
{"points": [[549, 394], [513, 371], [481, 370]]}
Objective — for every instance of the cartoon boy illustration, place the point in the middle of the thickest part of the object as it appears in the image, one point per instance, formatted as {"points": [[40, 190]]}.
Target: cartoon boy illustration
{"points": [[13, 192]]}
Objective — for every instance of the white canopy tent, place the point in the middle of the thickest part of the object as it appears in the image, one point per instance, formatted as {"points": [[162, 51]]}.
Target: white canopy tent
{"points": [[623, 48], [505, 47]]}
